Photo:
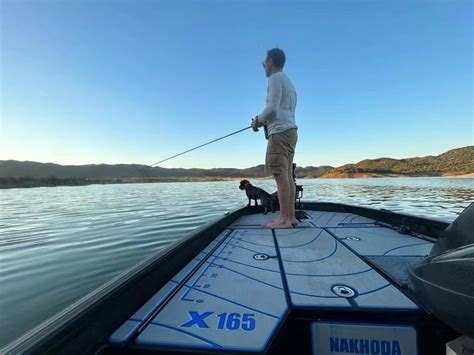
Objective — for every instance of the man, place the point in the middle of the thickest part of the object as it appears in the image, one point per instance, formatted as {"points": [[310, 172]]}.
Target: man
{"points": [[279, 119]]}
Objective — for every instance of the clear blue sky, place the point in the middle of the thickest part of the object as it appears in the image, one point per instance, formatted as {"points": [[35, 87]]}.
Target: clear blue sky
{"points": [[137, 81]]}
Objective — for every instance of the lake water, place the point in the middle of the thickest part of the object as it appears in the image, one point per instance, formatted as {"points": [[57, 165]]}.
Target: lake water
{"points": [[58, 244]]}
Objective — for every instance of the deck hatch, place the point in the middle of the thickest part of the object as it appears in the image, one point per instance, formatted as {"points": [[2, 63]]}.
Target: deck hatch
{"points": [[315, 262], [381, 241]]}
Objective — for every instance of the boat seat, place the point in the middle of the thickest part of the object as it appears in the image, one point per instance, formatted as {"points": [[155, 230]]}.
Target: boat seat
{"points": [[444, 285], [459, 233]]}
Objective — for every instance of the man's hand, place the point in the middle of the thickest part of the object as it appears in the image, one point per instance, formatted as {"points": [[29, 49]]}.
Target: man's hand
{"points": [[256, 124]]}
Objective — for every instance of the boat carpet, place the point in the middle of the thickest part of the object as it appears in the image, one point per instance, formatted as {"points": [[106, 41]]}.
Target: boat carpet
{"points": [[396, 267]]}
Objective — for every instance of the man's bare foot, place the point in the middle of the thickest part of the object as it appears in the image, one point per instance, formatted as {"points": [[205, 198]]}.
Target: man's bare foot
{"points": [[294, 222], [271, 221], [278, 219], [278, 224]]}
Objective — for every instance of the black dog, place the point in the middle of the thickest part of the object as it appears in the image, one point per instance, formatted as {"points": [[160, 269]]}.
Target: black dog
{"points": [[256, 193]]}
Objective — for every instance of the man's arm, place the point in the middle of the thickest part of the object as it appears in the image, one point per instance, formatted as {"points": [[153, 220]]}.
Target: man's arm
{"points": [[275, 88]]}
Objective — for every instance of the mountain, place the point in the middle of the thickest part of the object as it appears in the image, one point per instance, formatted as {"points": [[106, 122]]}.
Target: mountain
{"points": [[454, 162], [312, 171], [16, 169]]}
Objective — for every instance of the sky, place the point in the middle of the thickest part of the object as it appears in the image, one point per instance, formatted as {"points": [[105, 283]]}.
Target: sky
{"points": [[90, 82]]}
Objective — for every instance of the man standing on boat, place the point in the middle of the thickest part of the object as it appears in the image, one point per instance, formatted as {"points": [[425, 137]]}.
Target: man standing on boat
{"points": [[278, 117]]}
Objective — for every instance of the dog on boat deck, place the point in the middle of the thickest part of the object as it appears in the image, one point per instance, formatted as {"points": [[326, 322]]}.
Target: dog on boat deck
{"points": [[256, 193]]}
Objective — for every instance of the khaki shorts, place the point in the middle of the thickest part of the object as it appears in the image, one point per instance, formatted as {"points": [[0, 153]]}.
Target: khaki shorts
{"points": [[280, 152]]}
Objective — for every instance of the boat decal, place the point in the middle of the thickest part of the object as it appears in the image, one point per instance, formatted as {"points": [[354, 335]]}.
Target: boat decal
{"points": [[233, 302]]}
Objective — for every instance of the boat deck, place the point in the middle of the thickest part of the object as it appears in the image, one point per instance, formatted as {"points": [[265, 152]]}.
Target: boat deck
{"points": [[237, 294]]}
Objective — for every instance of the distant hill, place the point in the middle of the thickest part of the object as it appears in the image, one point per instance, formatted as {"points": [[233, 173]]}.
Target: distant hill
{"points": [[312, 171], [454, 162], [14, 168]]}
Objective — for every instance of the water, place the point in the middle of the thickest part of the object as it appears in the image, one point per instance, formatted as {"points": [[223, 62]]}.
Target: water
{"points": [[58, 244]]}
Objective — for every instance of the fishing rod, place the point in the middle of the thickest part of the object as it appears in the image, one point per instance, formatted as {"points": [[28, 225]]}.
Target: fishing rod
{"points": [[202, 145]]}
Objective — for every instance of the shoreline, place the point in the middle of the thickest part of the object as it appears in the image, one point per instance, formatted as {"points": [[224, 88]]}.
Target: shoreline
{"points": [[375, 175], [12, 183]]}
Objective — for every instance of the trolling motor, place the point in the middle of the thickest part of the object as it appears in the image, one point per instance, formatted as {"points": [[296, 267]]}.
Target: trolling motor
{"points": [[299, 195]]}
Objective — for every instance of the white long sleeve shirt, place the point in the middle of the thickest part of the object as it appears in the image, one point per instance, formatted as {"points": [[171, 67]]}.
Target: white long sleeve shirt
{"points": [[279, 113]]}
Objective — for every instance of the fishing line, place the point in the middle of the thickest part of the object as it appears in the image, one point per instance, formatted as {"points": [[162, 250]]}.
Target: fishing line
{"points": [[202, 145]]}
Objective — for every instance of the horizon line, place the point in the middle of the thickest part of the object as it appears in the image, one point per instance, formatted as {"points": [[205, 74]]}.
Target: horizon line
{"points": [[161, 167]]}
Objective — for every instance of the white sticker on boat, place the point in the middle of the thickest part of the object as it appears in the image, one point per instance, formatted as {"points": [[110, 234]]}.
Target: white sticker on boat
{"points": [[338, 338]]}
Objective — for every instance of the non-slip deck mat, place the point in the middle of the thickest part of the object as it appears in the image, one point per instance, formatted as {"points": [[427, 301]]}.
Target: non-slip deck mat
{"points": [[382, 241], [323, 274], [235, 301], [128, 329], [256, 221], [338, 219]]}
